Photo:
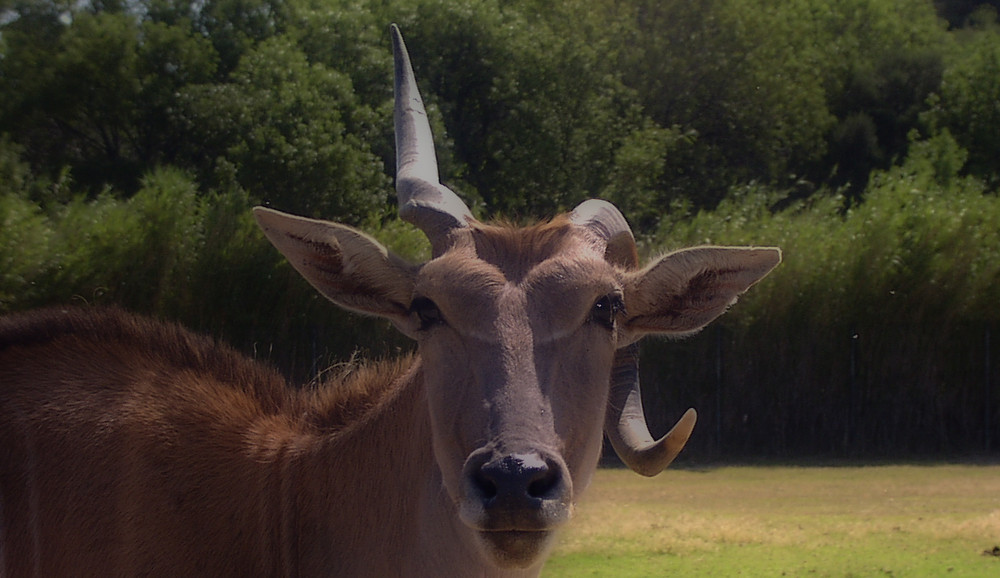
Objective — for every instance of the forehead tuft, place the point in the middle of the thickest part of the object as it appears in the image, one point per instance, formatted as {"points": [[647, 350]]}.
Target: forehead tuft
{"points": [[515, 250]]}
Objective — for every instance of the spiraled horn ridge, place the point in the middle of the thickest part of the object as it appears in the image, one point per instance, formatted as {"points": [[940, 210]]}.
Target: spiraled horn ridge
{"points": [[423, 200]]}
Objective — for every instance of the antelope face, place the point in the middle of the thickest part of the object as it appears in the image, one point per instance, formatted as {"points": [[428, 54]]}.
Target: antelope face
{"points": [[517, 331]]}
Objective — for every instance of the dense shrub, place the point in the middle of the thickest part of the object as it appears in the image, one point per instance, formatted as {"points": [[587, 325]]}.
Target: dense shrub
{"points": [[870, 338], [171, 253]]}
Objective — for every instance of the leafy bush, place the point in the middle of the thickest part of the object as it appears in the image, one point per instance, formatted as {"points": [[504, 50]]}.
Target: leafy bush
{"points": [[869, 338]]}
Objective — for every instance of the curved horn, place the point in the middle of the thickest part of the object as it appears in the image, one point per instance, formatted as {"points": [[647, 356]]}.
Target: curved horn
{"points": [[423, 200], [608, 225], [625, 422]]}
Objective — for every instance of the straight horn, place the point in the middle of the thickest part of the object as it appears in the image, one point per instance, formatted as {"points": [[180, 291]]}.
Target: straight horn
{"points": [[423, 200]]}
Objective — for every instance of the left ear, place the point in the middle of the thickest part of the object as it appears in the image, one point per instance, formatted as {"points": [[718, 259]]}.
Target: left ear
{"points": [[345, 265], [684, 291]]}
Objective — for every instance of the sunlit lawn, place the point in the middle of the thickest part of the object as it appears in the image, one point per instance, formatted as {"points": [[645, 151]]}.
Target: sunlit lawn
{"points": [[938, 520]]}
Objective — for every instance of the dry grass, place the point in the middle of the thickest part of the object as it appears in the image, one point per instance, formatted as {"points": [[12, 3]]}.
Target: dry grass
{"points": [[773, 521]]}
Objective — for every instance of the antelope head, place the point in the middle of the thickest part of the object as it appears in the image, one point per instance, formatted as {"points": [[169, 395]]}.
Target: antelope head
{"points": [[527, 337]]}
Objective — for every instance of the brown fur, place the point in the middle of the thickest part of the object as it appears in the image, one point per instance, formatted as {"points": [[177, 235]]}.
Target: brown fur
{"points": [[85, 336], [515, 251], [180, 453]]}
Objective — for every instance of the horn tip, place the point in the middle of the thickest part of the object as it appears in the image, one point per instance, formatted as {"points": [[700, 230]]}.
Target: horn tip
{"points": [[681, 431], [397, 36], [670, 445]]}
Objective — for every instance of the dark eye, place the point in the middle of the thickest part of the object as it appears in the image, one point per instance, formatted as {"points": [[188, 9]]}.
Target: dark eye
{"points": [[427, 312], [606, 309]]}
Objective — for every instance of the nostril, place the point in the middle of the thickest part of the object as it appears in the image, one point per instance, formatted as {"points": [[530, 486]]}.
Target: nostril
{"points": [[485, 487], [544, 485], [514, 478]]}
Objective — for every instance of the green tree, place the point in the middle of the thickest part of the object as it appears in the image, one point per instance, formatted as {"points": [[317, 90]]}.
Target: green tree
{"points": [[533, 110], [767, 88], [236, 26], [970, 91], [289, 132], [96, 96], [741, 77]]}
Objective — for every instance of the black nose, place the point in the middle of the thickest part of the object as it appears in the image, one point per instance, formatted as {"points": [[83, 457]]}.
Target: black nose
{"points": [[516, 481]]}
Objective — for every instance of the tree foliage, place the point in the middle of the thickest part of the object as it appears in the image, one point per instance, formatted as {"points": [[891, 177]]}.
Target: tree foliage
{"points": [[538, 104]]}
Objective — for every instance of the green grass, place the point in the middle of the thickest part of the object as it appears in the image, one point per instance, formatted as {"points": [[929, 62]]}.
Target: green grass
{"points": [[787, 521]]}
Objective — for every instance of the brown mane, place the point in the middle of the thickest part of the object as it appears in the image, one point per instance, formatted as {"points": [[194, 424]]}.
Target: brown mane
{"points": [[91, 334]]}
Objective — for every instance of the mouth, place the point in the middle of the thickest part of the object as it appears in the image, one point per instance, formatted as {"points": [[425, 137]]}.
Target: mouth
{"points": [[516, 548]]}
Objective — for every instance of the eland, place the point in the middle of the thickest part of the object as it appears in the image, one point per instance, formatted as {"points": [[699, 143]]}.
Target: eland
{"points": [[131, 447]]}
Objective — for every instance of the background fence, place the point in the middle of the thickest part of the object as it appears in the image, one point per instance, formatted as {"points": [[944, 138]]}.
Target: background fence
{"points": [[881, 393]]}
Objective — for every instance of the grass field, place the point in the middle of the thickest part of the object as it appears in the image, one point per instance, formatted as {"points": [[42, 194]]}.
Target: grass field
{"points": [[906, 520]]}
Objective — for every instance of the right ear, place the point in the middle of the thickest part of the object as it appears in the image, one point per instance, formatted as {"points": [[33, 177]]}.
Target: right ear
{"points": [[684, 291], [345, 265]]}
